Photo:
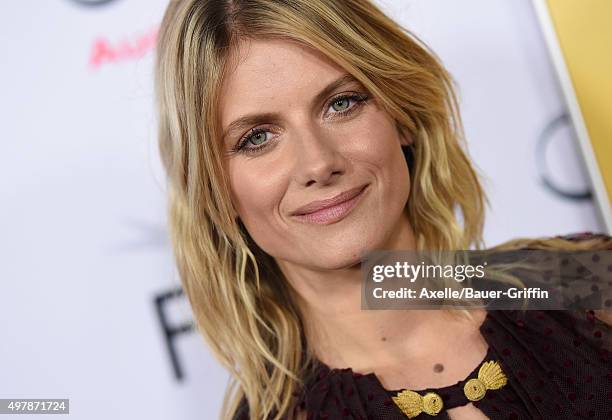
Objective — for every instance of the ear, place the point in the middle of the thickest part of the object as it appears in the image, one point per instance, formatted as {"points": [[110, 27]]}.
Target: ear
{"points": [[405, 136]]}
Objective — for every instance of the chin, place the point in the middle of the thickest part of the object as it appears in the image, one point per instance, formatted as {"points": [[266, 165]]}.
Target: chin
{"points": [[333, 262], [340, 253]]}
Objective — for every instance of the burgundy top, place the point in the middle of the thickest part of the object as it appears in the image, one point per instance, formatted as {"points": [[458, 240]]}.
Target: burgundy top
{"points": [[557, 365]]}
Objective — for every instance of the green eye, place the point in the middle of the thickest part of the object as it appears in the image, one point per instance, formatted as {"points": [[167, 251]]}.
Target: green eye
{"points": [[258, 138], [341, 104]]}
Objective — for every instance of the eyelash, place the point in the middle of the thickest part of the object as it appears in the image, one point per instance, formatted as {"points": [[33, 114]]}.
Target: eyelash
{"points": [[359, 98]]}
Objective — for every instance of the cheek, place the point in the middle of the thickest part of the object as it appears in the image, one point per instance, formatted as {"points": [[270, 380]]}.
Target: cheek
{"points": [[381, 153], [256, 193], [378, 146]]}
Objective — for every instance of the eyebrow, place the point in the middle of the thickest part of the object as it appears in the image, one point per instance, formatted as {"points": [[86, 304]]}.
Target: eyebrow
{"points": [[246, 121]]}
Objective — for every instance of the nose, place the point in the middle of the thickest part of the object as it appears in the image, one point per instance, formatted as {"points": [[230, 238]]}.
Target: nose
{"points": [[318, 159]]}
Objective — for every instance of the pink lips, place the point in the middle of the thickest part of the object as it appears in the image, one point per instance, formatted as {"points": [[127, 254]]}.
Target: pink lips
{"points": [[331, 210]]}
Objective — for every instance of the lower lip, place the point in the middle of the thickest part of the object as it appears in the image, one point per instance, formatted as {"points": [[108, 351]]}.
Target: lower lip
{"points": [[332, 214]]}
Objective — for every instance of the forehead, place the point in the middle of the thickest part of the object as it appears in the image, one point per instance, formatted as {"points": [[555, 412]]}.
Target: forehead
{"points": [[264, 75]]}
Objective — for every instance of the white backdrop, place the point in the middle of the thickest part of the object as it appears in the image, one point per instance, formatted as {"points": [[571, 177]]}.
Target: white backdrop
{"points": [[83, 247]]}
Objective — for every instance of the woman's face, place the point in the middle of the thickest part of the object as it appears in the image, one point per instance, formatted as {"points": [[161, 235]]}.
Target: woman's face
{"points": [[315, 165]]}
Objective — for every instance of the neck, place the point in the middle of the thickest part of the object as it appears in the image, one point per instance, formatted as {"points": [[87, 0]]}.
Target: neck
{"points": [[341, 334]]}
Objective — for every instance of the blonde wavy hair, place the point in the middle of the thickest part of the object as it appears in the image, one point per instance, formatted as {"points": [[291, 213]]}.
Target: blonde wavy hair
{"points": [[243, 307]]}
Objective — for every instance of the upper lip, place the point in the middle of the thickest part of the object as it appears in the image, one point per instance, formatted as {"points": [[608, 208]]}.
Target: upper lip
{"points": [[330, 202]]}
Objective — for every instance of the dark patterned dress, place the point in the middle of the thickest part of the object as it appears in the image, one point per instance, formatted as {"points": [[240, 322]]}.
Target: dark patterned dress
{"points": [[556, 365]]}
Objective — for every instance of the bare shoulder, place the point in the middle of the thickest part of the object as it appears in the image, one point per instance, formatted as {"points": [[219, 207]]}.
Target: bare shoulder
{"points": [[605, 315]]}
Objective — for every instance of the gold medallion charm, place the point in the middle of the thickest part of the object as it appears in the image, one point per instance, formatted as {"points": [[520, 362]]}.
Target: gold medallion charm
{"points": [[432, 403], [412, 403], [490, 376], [474, 390]]}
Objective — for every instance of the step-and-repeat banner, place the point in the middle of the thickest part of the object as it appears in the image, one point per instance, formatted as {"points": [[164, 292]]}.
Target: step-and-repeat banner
{"points": [[89, 302]]}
